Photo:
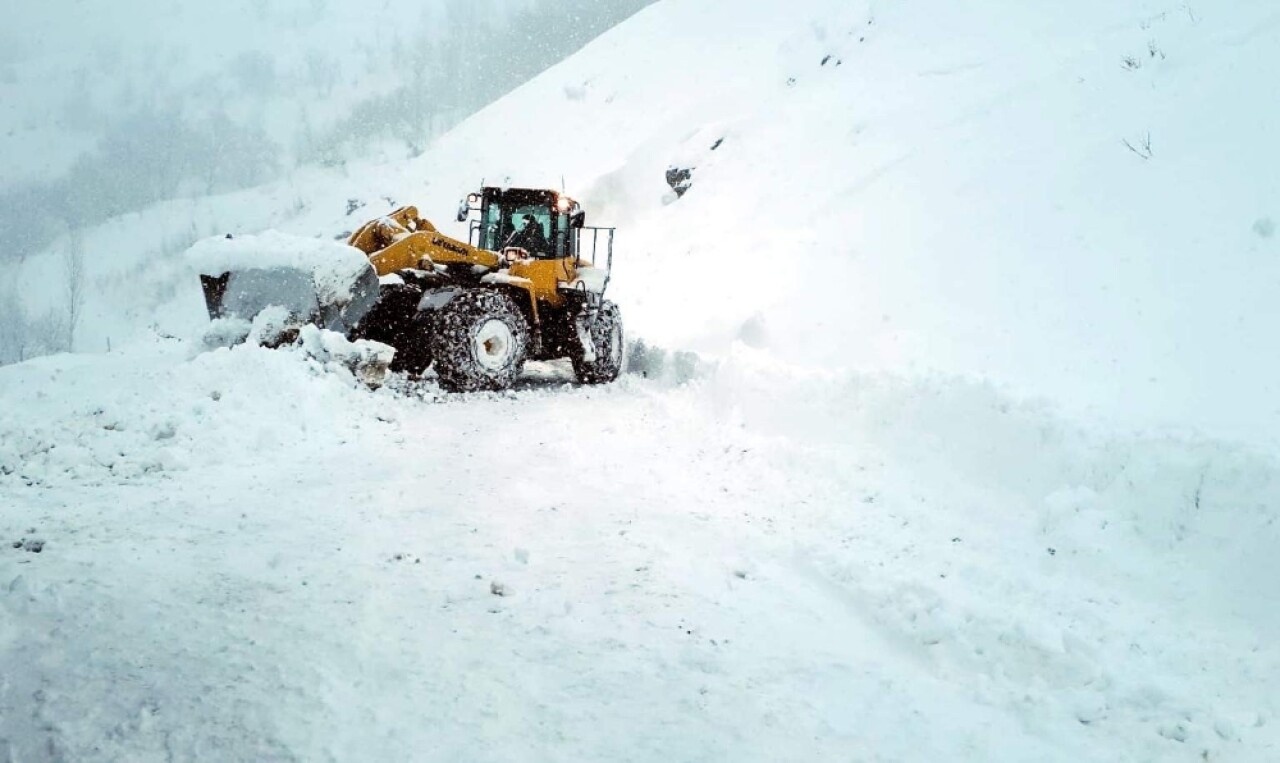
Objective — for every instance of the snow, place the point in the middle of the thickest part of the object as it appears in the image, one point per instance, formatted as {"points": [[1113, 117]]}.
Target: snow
{"points": [[226, 332], [503, 277], [590, 278], [954, 196], [267, 327], [367, 360], [758, 564], [951, 431]]}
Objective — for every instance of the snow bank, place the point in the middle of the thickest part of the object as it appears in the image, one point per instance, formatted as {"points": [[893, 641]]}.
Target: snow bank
{"points": [[1109, 579], [1163, 491], [152, 411]]}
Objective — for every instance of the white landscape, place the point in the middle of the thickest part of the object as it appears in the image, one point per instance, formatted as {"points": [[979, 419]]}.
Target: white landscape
{"points": [[950, 431]]}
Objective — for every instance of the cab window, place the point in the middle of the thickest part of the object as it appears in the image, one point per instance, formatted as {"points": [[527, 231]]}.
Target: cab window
{"points": [[501, 221]]}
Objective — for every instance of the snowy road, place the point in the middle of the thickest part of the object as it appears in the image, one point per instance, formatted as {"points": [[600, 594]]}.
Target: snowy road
{"points": [[301, 570], [241, 555]]}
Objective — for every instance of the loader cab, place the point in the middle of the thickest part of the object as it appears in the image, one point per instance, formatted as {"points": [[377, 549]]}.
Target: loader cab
{"points": [[503, 212]]}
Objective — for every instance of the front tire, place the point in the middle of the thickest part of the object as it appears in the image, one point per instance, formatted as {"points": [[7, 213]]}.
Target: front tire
{"points": [[395, 321], [479, 340], [602, 362]]}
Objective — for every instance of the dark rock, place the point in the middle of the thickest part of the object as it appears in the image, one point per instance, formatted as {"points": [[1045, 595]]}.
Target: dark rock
{"points": [[680, 179]]}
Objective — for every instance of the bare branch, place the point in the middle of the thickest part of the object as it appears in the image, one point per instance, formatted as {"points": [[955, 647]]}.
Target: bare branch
{"points": [[1143, 149], [73, 258]]}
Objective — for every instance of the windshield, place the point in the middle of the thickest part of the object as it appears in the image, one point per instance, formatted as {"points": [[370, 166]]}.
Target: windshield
{"points": [[502, 221]]}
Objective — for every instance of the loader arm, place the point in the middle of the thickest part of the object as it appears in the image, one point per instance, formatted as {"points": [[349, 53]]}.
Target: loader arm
{"points": [[403, 240], [423, 249]]}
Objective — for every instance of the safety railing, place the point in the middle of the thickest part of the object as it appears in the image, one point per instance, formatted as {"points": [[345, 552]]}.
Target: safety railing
{"points": [[601, 239]]}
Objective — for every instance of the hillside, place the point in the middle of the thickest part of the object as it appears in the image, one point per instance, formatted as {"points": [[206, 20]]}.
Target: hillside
{"points": [[951, 191], [977, 459]]}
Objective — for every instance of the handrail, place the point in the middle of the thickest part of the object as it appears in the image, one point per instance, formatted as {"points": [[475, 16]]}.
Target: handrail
{"points": [[595, 251]]}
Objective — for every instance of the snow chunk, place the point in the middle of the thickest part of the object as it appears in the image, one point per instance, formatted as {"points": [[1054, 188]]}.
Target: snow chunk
{"points": [[269, 326], [590, 278], [506, 279], [268, 329], [368, 360], [225, 332]]}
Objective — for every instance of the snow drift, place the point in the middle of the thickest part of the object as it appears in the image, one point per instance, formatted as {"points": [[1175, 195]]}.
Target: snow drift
{"points": [[754, 564]]}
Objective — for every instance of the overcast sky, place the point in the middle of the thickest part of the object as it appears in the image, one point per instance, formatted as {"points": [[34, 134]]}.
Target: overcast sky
{"points": [[109, 107]]}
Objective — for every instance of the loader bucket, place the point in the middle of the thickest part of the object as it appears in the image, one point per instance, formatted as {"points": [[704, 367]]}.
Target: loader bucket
{"points": [[334, 306]]}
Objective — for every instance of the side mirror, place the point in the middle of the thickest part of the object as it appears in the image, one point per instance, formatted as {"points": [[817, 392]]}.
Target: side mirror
{"points": [[464, 210], [578, 219]]}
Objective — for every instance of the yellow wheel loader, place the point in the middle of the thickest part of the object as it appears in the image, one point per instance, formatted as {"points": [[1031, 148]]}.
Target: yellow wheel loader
{"points": [[528, 284]]}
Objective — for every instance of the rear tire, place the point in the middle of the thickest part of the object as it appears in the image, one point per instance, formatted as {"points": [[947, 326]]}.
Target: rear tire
{"points": [[479, 340], [607, 344]]}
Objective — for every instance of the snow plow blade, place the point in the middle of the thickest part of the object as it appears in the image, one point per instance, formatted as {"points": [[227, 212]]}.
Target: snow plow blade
{"points": [[333, 306]]}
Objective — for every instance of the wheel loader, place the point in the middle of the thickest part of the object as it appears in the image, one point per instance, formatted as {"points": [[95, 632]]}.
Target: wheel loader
{"points": [[527, 284]]}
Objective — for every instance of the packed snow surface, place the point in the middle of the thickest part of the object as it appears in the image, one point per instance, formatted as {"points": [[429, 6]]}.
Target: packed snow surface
{"points": [[246, 555]]}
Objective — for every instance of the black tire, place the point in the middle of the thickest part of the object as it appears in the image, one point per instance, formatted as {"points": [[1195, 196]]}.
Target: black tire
{"points": [[607, 341], [478, 340], [413, 348], [395, 321]]}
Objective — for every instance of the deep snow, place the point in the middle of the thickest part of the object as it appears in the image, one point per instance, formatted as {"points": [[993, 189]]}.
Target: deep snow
{"points": [[931, 491], [247, 556]]}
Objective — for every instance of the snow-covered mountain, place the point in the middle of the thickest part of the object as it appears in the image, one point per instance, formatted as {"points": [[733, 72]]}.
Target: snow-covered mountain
{"points": [[844, 534], [961, 190]]}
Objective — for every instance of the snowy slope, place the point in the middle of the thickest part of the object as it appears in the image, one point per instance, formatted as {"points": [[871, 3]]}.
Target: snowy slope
{"points": [[954, 195], [950, 191], [848, 536]]}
